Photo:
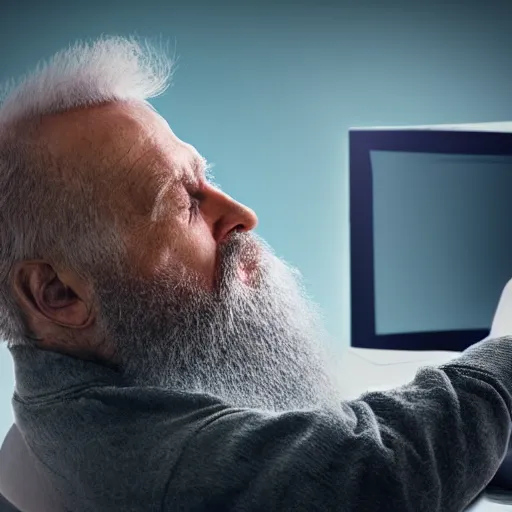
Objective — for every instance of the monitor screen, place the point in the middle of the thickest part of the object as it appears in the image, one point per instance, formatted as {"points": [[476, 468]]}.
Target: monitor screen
{"points": [[442, 239]]}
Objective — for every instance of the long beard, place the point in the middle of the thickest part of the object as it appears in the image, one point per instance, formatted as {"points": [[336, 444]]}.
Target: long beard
{"points": [[256, 344]]}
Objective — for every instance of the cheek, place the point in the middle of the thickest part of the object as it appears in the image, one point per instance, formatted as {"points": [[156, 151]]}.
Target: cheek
{"points": [[199, 253], [162, 247]]}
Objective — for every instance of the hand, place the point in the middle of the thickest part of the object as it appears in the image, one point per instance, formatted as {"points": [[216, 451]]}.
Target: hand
{"points": [[502, 322]]}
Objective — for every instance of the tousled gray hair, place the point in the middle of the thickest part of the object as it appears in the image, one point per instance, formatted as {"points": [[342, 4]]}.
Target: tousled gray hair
{"points": [[43, 216]]}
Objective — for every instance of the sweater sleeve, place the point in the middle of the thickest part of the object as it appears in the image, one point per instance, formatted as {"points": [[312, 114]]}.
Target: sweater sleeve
{"points": [[429, 446]]}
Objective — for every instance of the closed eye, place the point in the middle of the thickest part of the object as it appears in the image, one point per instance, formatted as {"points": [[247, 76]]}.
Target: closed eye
{"points": [[194, 207]]}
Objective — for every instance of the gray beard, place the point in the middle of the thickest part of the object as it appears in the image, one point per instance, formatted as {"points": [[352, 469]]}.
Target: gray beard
{"points": [[258, 346]]}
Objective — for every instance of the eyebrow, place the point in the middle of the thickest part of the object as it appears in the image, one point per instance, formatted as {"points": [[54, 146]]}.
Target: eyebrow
{"points": [[202, 168]]}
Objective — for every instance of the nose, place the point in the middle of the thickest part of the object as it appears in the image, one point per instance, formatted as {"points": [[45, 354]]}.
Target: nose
{"points": [[230, 215]]}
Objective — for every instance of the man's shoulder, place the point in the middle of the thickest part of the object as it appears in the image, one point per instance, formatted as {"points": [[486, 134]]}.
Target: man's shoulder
{"points": [[109, 437]]}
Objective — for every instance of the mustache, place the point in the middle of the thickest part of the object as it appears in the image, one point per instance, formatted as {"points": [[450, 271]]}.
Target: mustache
{"points": [[240, 252]]}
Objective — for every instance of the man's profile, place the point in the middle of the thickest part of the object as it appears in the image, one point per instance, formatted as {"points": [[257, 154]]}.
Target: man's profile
{"points": [[165, 358]]}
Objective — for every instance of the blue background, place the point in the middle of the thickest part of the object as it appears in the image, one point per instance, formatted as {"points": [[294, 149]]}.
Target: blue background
{"points": [[268, 90]]}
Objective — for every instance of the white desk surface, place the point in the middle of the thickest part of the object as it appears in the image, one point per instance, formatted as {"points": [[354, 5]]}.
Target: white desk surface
{"points": [[371, 370]]}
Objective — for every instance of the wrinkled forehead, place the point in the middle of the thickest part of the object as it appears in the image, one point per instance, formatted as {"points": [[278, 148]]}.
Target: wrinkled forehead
{"points": [[126, 150], [119, 144], [124, 132]]}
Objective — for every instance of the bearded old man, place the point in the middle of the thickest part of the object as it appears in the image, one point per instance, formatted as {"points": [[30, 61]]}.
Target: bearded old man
{"points": [[165, 359]]}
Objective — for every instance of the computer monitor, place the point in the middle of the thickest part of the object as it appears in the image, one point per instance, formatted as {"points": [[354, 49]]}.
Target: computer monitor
{"points": [[430, 233]]}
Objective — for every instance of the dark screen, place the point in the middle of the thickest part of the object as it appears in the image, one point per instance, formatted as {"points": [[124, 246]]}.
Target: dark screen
{"points": [[442, 240]]}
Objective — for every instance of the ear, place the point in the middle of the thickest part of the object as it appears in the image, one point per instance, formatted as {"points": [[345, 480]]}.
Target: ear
{"points": [[49, 298]]}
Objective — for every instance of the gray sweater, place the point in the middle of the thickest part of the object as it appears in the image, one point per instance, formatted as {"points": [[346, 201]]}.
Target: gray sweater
{"points": [[431, 445]]}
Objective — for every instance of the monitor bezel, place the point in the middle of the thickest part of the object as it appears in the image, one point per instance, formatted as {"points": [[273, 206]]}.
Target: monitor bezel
{"points": [[362, 288]]}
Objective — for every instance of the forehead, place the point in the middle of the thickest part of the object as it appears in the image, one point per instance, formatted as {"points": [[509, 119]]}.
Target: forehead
{"points": [[129, 151], [124, 135], [150, 158], [139, 138]]}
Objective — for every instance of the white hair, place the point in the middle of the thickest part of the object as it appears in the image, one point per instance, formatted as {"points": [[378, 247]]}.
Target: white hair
{"points": [[86, 74], [42, 217]]}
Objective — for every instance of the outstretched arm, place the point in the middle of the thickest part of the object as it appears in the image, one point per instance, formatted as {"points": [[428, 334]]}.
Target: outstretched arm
{"points": [[431, 445]]}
